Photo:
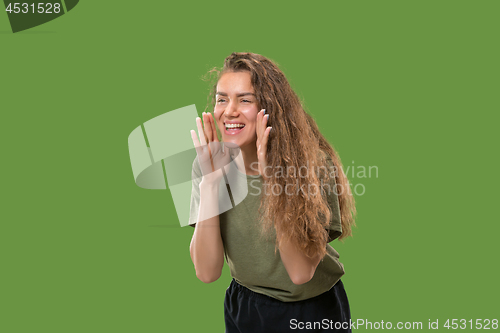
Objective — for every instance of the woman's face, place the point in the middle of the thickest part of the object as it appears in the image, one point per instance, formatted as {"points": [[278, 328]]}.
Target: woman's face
{"points": [[236, 108]]}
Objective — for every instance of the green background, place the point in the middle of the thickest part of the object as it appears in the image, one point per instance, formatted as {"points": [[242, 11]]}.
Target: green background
{"points": [[408, 86]]}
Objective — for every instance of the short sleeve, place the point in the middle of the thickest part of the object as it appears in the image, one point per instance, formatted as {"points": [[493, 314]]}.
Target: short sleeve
{"points": [[196, 177], [335, 227]]}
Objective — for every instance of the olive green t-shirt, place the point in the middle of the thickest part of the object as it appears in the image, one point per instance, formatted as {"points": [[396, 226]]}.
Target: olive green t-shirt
{"points": [[252, 259]]}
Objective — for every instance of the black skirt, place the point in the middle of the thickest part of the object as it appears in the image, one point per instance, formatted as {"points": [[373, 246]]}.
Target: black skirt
{"points": [[246, 311]]}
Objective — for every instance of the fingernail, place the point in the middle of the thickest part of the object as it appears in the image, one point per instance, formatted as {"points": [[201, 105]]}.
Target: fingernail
{"points": [[264, 111]]}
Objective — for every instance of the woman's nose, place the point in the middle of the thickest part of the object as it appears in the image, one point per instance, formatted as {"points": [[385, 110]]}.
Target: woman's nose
{"points": [[231, 110]]}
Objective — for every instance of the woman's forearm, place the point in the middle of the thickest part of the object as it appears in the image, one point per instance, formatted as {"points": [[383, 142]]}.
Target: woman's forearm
{"points": [[207, 251], [300, 267]]}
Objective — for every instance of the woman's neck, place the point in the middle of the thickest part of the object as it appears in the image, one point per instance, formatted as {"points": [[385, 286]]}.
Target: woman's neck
{"points": [[251, 160]]}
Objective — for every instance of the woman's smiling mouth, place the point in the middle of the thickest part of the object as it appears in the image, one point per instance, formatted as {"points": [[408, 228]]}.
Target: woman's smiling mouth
{"points": [[232, 128]]}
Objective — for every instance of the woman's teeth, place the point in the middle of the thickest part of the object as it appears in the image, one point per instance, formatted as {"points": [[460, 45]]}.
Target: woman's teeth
{"points": [[235, 125]]}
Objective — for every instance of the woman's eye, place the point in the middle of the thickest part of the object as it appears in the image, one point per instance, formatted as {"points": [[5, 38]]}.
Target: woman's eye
{"points": [[221, 100], [246, 101]]}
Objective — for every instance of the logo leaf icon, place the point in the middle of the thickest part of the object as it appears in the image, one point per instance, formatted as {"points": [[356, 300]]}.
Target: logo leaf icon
{"points": [[28, 14]]}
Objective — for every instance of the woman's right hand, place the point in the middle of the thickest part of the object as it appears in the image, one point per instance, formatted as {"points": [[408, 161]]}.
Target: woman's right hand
{"points": [[208, 148]]}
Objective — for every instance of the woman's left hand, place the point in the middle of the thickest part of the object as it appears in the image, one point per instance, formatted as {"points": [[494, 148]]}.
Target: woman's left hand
{"points": [[262, 137]]}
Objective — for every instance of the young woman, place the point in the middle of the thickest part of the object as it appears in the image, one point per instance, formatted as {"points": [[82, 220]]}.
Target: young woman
{"points": [[285, 274]]}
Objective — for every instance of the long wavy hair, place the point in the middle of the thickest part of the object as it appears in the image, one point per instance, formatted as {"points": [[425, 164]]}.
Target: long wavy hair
{"points": [[294, 141]]}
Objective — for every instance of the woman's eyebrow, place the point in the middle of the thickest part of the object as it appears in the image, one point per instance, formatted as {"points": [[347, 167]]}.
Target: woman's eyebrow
{"points": [[237, 95]]}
